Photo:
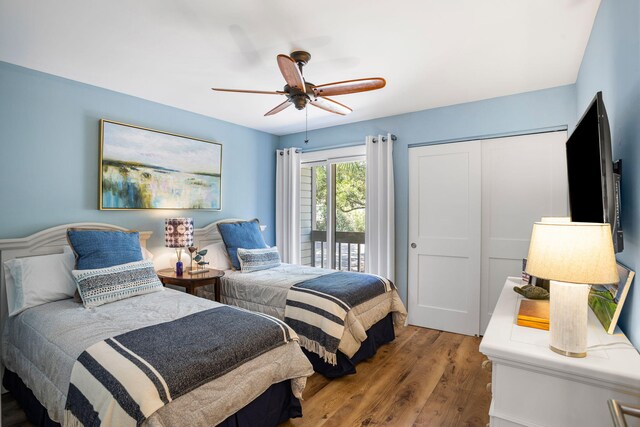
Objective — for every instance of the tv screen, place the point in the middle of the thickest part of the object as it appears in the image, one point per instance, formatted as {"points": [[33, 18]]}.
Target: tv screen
{"points": [[593, 186], [584, 170]]}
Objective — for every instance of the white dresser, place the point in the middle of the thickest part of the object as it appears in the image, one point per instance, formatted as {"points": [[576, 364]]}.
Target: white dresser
{"points": [[533, 386]]}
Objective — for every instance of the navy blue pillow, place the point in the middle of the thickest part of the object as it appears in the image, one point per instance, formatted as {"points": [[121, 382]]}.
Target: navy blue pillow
{"points": [[104, 248], [244, 234]]}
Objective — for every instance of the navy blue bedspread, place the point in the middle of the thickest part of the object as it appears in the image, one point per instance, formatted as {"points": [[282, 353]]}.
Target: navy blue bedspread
{"points": [[317, 308], [182, 354], [349, 287]]}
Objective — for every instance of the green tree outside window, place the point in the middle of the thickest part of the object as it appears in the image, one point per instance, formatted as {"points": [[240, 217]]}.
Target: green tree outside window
{"points": [[350, 197]]}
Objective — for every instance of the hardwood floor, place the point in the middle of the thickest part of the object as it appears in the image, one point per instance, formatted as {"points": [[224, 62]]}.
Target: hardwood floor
{"points": [[423, 378]]}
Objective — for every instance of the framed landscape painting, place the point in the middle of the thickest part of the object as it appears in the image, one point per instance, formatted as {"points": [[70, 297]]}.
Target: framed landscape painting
{"points": [[150, 169]]}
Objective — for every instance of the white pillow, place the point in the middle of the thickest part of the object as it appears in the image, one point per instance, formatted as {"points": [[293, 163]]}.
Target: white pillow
{"points": [[146, 255], [36, 280], [217, 256]]}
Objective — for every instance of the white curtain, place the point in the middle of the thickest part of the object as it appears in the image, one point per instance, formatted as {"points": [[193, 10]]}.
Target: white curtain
{"points": [[288, 204], [380, 214]]}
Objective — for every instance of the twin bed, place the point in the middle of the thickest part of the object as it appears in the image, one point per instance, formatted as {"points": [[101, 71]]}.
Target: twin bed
{"points": [[368, 323], [43, 344]]}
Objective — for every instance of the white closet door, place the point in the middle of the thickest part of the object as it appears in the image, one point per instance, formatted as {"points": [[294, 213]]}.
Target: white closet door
{"points": [[523, 179], [444, 237]]}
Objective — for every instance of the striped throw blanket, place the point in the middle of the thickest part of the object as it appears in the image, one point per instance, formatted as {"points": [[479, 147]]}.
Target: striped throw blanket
{"points": [[122, 380], [317, 308]]}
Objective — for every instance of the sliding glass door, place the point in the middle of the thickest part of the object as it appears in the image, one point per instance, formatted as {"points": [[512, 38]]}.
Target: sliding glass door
{"points": [[332, 212], [349, 213], [313, 215]]}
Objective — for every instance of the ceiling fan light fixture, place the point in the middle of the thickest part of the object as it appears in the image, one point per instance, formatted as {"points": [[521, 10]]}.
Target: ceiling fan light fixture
{"points": [[299, 101]]}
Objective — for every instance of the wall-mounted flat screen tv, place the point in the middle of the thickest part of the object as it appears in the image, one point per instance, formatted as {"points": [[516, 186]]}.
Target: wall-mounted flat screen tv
{"points": [[594, 182]]}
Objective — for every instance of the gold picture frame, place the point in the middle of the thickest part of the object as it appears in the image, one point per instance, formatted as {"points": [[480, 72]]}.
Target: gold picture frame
{"points": [[142, 168]]}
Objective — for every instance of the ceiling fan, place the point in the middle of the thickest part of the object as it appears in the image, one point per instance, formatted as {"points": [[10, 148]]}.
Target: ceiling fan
{"points": [[300, 92]]}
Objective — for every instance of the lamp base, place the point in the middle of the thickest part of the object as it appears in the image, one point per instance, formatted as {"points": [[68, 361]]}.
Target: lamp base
{"points": [[198, 271], [568, 312], [568, 353]]}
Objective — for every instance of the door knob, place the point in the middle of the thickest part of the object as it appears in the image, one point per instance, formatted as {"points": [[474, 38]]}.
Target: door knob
{"points": [[413, 246]]}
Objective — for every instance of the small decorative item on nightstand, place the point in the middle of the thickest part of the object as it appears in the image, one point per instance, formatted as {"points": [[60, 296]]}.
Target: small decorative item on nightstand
{"points": [[534, 314], [199, 259], [178, 234]]}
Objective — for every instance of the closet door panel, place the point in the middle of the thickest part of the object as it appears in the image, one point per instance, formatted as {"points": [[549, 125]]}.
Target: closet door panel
{"points": [[444, 237], [523, 179]]}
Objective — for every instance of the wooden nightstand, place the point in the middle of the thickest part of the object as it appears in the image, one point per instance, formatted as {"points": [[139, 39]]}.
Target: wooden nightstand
{"points": [[191, 282]]}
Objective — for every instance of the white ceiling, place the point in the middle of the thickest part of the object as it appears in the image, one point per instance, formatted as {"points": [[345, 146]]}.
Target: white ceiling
{"points": [[432, 53]]}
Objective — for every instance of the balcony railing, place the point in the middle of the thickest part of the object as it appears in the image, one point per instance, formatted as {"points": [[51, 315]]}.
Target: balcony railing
{"points": [[349, 250]]}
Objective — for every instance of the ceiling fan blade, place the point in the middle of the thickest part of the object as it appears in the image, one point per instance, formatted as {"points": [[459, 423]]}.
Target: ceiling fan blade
{"points": [[275, 92], [330, 105], [349, 86], [290, 72], [279, 108]]}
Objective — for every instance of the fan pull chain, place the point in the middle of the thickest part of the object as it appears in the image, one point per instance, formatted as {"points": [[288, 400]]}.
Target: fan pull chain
{"points": [[306, 124]]}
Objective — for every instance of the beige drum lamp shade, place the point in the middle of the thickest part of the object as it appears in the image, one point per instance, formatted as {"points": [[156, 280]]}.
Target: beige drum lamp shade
{"points": [[575, 252]]}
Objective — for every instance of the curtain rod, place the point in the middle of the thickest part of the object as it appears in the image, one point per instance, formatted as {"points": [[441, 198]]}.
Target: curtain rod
{"points": [[384, 138], [282, 150], [331, 147], [328, 147], [345, 145]]}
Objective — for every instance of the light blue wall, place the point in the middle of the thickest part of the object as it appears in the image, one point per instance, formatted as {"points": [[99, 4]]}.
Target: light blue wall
{"points": [[611, 64], [511, 114], [49, 148]]}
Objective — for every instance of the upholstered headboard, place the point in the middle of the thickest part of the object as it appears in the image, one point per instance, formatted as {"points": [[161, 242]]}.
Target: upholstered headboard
{"points": [[49, 241]]}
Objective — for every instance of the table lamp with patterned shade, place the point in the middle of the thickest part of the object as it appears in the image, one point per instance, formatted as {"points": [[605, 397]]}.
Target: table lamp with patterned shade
{"points": [[178, 234], [573, 255]]}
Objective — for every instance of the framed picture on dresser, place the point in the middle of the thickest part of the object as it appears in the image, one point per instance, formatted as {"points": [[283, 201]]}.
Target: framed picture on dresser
{"points": [[143, 168], [607, 301]]}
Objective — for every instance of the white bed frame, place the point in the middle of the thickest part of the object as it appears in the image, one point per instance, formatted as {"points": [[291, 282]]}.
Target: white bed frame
{"points": [[208, 234], [46, 242]]}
